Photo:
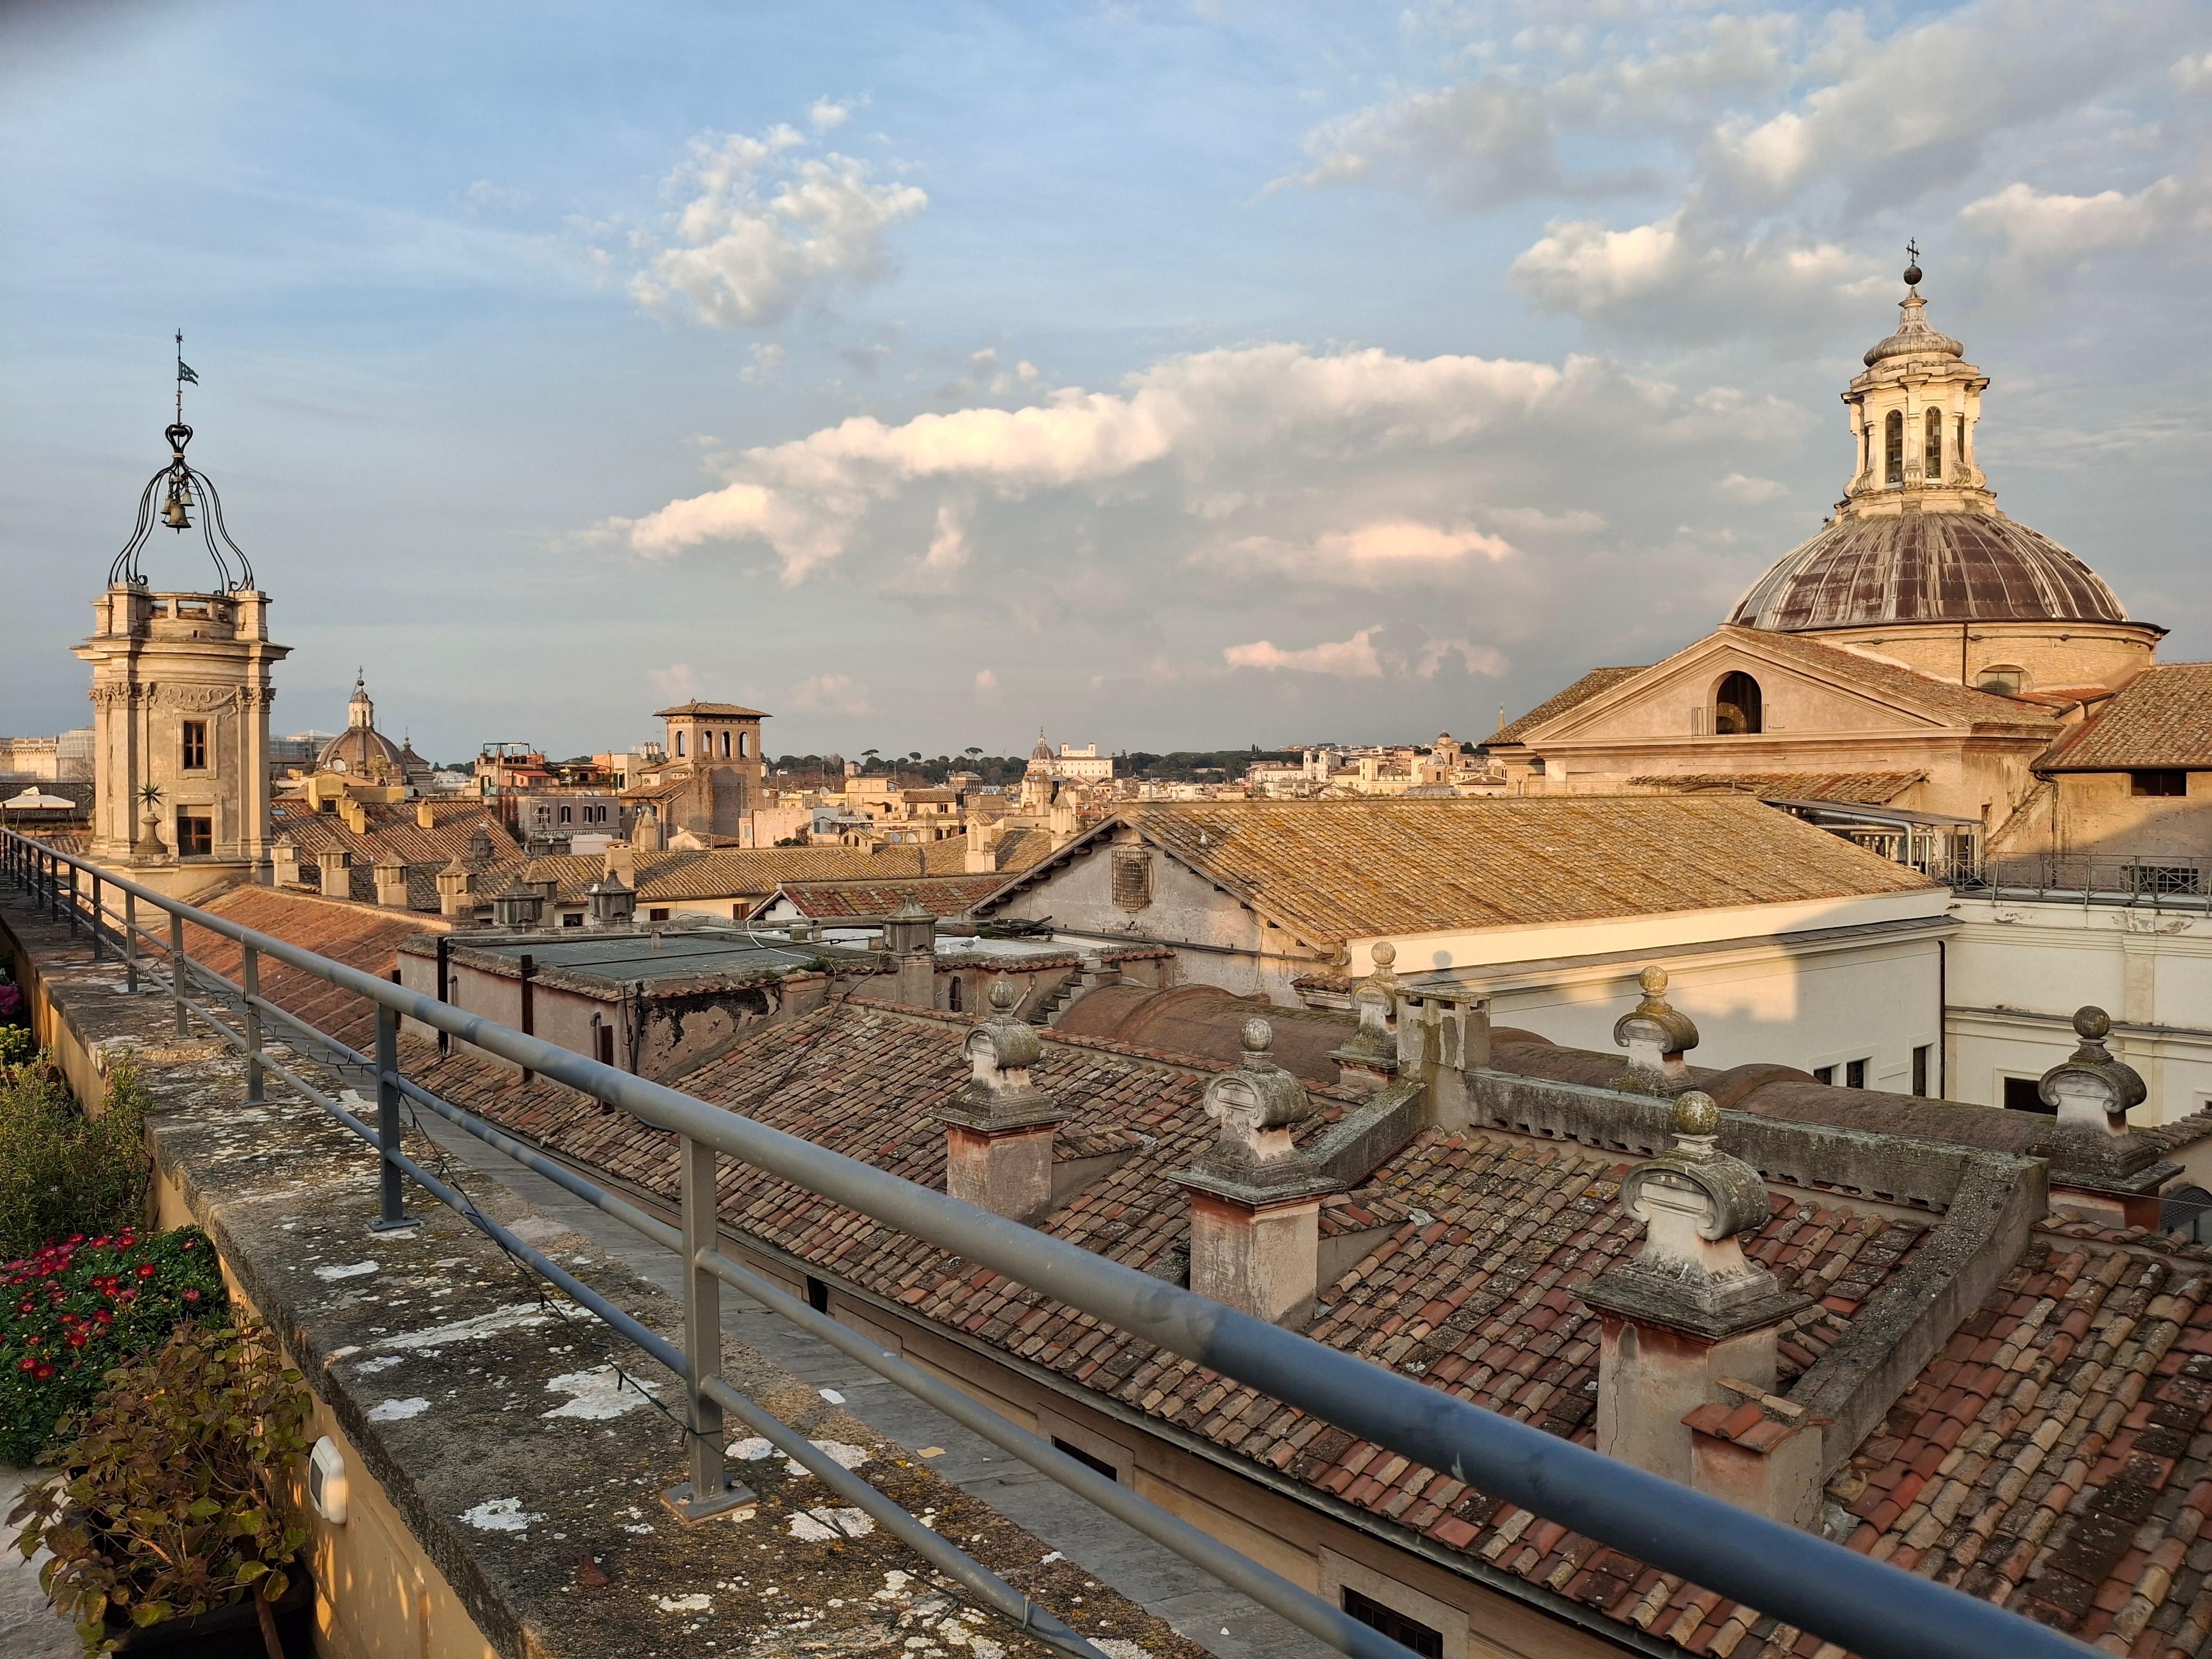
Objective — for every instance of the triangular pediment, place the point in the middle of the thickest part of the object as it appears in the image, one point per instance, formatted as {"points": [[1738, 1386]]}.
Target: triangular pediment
{"points": [[1810, 687]]}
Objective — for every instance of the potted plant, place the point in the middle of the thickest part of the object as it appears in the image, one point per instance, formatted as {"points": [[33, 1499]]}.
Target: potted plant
{"points": [[168, 1528]]}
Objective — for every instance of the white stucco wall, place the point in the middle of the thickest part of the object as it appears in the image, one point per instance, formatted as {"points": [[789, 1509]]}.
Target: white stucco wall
{"points": [[2019, 969]]}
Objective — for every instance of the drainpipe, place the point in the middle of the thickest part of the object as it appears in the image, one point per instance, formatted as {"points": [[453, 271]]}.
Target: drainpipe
{"points": [[529, 966], [445, 987]]}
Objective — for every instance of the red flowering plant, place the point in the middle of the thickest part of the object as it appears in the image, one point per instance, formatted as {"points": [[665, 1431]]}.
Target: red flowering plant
{"points": [[78, 1309]]}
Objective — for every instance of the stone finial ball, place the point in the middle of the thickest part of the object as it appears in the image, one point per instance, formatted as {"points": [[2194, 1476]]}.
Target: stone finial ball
{"points": [[1695, 1113], [1653, 980], [1259, 1037], [1383, 954], [1004, 996], [2092, 1022]]}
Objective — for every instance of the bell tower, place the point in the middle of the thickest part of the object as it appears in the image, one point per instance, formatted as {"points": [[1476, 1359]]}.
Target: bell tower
{"points": [[180, 695]]}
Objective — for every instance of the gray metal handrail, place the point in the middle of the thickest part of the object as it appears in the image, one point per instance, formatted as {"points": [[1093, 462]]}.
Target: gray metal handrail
{"points": [[1862, 1604]]}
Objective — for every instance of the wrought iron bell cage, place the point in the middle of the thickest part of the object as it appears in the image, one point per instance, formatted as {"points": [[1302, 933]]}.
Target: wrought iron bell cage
{"points": [[180, 487]]}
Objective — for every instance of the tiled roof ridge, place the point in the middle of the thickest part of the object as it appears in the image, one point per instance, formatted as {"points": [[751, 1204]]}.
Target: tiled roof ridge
{"points": [[1908, 682], [2173, 701], [417, 920], [1572, 695]]}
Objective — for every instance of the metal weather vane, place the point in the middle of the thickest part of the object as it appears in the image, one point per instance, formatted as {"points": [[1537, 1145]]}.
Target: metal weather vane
{"points": [[182, 487]]}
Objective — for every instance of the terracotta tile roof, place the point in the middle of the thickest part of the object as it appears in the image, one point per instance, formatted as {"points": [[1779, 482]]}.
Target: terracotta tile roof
{"points": [[1480, 1243], [728, 711], [1330, 870], [391, 831], [1597, 680], [356, 935], [1860, 788], [2161, 719], [942, 896]]}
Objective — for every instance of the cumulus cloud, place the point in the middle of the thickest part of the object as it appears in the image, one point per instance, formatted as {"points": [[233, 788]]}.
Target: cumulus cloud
{"points": [[830, 694], [1484, 659], [1476, 145], [763, 223], [766, 367], [1392, 549], [2047, 229], [1352, 659], [1738, 487]]}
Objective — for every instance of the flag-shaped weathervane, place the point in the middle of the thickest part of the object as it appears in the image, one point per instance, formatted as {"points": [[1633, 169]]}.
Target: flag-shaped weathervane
{"points": [[183, 375]]}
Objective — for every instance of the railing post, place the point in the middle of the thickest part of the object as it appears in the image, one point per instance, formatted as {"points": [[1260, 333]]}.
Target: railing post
{"points": [[53, 888], [390, 1215], [130, 942], [99, 912], [249, 982], [72, 904], [709, 1491], [177, 971]]}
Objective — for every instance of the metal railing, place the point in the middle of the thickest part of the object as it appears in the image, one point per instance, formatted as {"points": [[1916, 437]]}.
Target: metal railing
{"points": [[2179, 881], [1866, 1606]]}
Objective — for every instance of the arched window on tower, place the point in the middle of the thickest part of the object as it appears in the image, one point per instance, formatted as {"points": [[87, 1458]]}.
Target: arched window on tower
{"points": [[1933, 465], [1959, 446], [679, 746], [1892, 444], [1738, 708]]}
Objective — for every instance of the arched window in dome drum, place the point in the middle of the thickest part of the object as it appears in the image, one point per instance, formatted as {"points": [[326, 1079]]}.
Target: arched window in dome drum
{"points": [[2005, 679], [1958, 445], [1934, 464], [1739, 710], [1892, 443]]}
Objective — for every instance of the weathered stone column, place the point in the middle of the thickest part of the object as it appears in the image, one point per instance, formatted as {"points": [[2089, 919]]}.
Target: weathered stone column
{"points": [[1370, 1061]]}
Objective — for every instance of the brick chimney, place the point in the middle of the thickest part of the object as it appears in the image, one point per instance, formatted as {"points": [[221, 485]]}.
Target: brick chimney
{"points": [[998, 1130], [1255, 1196], [1656, 1036], [1690, 1309]]}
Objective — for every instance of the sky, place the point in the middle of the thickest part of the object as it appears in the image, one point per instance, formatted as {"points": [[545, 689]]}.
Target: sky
{"points": [[1160, 375]]}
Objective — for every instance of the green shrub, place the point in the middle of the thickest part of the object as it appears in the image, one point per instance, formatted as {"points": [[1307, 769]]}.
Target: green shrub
{"points": [[77, 1310], [17, 1046], [62, 1170], [167, 1503]]}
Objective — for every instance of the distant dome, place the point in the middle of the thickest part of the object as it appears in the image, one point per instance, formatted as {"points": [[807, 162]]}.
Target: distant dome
{"points": [[365, 751], [1926, 567]]}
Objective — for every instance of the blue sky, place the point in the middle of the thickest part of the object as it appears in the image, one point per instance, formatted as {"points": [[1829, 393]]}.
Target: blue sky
{"points": [[1163, 375]]}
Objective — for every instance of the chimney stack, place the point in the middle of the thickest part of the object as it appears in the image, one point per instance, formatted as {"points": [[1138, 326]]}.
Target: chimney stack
{"points": [[454, 888], [910, 939], [424, 818], [520, 908], [391, 878], [998, 1130], [1255, 1196], [1691, 1323], [283, 862], [612, 904], [336, 883]]}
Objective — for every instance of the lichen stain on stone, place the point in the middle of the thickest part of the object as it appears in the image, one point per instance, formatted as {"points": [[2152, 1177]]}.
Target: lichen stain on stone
{"points": [[396, 1410], [599, 1393], [500, 1515]]}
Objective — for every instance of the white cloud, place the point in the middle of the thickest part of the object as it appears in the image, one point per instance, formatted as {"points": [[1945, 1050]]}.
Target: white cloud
{"points": [[830, 694], [1737, 487], [1352, 659], [764, 225], [986, 682], [766, 367], [824, 113], [1390, 549], [2045, 229], [1691, 277], [1475, 145], [2192, 73], [677, 682]]}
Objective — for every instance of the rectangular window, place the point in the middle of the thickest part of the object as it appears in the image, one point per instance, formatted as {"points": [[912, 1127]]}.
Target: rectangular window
{"points": [[1855, 1074], [194, 746], [1920, 1069], [574, 918], [1407, 1633], [607, 1045], [726, 745], [2158, 783], [679, 743], [1824, 1074], [567, 814], [195, 835], [2024, 1094], [817, 1295], [1085, 1458], [656, 914]]}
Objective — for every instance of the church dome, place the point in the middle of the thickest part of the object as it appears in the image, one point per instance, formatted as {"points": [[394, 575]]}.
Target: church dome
{"points": [[1926, 567], [360, 750], [1918, 536]]}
